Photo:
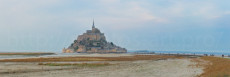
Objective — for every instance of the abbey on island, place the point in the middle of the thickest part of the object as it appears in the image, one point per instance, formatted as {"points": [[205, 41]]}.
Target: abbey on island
{"points": [[93, 41]]}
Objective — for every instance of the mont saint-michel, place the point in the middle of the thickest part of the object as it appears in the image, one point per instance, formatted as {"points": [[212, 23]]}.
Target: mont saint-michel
{"points": [[93, 41]]}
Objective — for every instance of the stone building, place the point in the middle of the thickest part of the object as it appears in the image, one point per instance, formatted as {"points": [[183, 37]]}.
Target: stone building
{"points": [[93, 41]]}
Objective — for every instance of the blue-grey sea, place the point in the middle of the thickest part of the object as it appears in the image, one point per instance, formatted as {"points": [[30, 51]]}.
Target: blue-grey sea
{"points": [[129, 52]]}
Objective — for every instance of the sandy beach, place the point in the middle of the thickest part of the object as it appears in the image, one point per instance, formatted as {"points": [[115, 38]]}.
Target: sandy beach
{"points": [[138, 68]]}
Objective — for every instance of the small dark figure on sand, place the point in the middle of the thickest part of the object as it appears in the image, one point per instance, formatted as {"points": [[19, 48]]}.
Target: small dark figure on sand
{"points": [[212, 55], [205, 54]]}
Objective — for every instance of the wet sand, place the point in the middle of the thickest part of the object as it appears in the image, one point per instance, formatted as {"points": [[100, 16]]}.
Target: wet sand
{"points": [[140, 68]]}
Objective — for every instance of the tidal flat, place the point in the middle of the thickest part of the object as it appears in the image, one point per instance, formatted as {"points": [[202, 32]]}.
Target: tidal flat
{"points": [[100, 65]]}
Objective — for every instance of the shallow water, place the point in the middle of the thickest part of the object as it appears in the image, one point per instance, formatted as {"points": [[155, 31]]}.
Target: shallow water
{"points": [[60, 55], [84, 54], [14, 56]]}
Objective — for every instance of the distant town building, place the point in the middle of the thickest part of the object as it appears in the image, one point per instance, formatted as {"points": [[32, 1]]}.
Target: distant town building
{"points": [[93, 41]]}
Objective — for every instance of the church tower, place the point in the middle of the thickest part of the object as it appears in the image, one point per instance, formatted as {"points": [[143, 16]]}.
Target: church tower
{"points": [[94, 29]]}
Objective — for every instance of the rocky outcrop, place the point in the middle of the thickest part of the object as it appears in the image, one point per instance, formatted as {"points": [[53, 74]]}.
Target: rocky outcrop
{"points": [[93, 41]]}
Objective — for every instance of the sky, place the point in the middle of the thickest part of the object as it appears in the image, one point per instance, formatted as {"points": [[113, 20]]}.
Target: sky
{"points": [[158, 25]]}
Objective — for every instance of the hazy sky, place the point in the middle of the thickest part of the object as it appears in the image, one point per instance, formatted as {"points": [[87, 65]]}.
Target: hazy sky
{"points": [[172, 25]]}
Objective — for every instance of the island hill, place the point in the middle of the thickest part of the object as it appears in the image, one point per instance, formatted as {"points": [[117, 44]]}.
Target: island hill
{"points": [[93, 41]]}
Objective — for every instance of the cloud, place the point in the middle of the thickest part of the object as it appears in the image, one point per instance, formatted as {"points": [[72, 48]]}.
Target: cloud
{"points": [[109, 1], [127, 13], [227, 12], [22, 13], [117, 14]]}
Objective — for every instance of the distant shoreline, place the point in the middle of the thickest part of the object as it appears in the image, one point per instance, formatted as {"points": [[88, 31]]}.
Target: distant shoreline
{"points": [[134, 51]]}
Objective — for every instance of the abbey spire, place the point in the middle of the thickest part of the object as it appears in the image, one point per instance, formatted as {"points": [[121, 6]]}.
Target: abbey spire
{"points": [[93, 24]]}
